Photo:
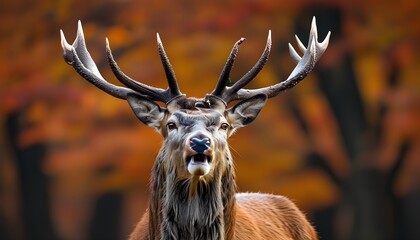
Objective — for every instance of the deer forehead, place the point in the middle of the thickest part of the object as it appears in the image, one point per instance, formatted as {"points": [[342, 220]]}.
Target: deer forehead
{"points": [[197, 118]]}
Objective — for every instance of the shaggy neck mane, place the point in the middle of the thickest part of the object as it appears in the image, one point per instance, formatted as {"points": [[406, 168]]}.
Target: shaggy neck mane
{"points": [[208, 214]]}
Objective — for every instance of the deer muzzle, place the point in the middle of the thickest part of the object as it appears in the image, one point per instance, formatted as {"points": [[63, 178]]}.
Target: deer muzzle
{"points": [[198, 155]]}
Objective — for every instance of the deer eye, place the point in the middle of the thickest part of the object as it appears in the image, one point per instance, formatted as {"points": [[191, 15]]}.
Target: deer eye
{"points": [[171, 125], [224, 126]]}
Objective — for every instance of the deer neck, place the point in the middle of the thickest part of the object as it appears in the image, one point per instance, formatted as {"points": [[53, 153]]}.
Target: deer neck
{"points": [[207, 214]]}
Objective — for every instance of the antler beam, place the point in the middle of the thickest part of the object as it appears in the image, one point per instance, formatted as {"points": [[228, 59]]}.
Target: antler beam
{"points": [[78, 56], [305, 64]]}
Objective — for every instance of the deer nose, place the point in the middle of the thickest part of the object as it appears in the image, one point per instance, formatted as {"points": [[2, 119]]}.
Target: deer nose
{"points": [[200, 144]]}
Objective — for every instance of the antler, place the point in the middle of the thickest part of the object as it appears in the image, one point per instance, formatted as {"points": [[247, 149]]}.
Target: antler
{"points": [[78, 56], [305, 64]]}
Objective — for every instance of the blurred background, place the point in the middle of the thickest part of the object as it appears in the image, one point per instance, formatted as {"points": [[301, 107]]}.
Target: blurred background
{"points": [[344, 144]]}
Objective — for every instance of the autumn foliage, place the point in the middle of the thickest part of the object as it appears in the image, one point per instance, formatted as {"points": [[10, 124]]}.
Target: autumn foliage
{"points": [[344, 144]]}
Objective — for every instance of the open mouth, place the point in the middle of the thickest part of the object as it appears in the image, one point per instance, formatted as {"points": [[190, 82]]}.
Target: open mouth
{"points": [[199, 159], [199, 164]]}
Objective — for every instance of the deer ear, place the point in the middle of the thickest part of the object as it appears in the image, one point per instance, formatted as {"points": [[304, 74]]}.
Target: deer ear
{"points": [[146, 110], [246, 111]]}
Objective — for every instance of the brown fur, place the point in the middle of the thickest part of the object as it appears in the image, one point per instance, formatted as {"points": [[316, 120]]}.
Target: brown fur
{"points": [[215, 210], [258, 216]]}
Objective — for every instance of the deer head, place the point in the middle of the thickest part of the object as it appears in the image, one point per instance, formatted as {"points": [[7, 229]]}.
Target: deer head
{"points": [[193, 127], [195, 130]]}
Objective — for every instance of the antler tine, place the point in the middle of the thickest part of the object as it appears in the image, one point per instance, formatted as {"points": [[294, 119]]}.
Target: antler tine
{"points": [[226, 93], [249, 76], [305, 64], [170, 74], [78, 56], [301, 46], [225, 74], [155, 94]]}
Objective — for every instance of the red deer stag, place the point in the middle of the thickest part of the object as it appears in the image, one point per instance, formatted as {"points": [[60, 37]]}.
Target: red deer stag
{"points": [[193, 189]]}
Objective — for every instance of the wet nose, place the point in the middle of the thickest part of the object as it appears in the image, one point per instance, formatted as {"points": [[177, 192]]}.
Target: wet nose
{"points": [[200, 144]]}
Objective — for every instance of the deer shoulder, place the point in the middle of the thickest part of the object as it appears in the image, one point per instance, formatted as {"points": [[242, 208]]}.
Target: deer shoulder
{"points": [[270, 215]]}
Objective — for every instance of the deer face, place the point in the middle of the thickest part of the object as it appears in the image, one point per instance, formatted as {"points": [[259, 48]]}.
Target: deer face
{"points": [[195, 139], [198, 136]]}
